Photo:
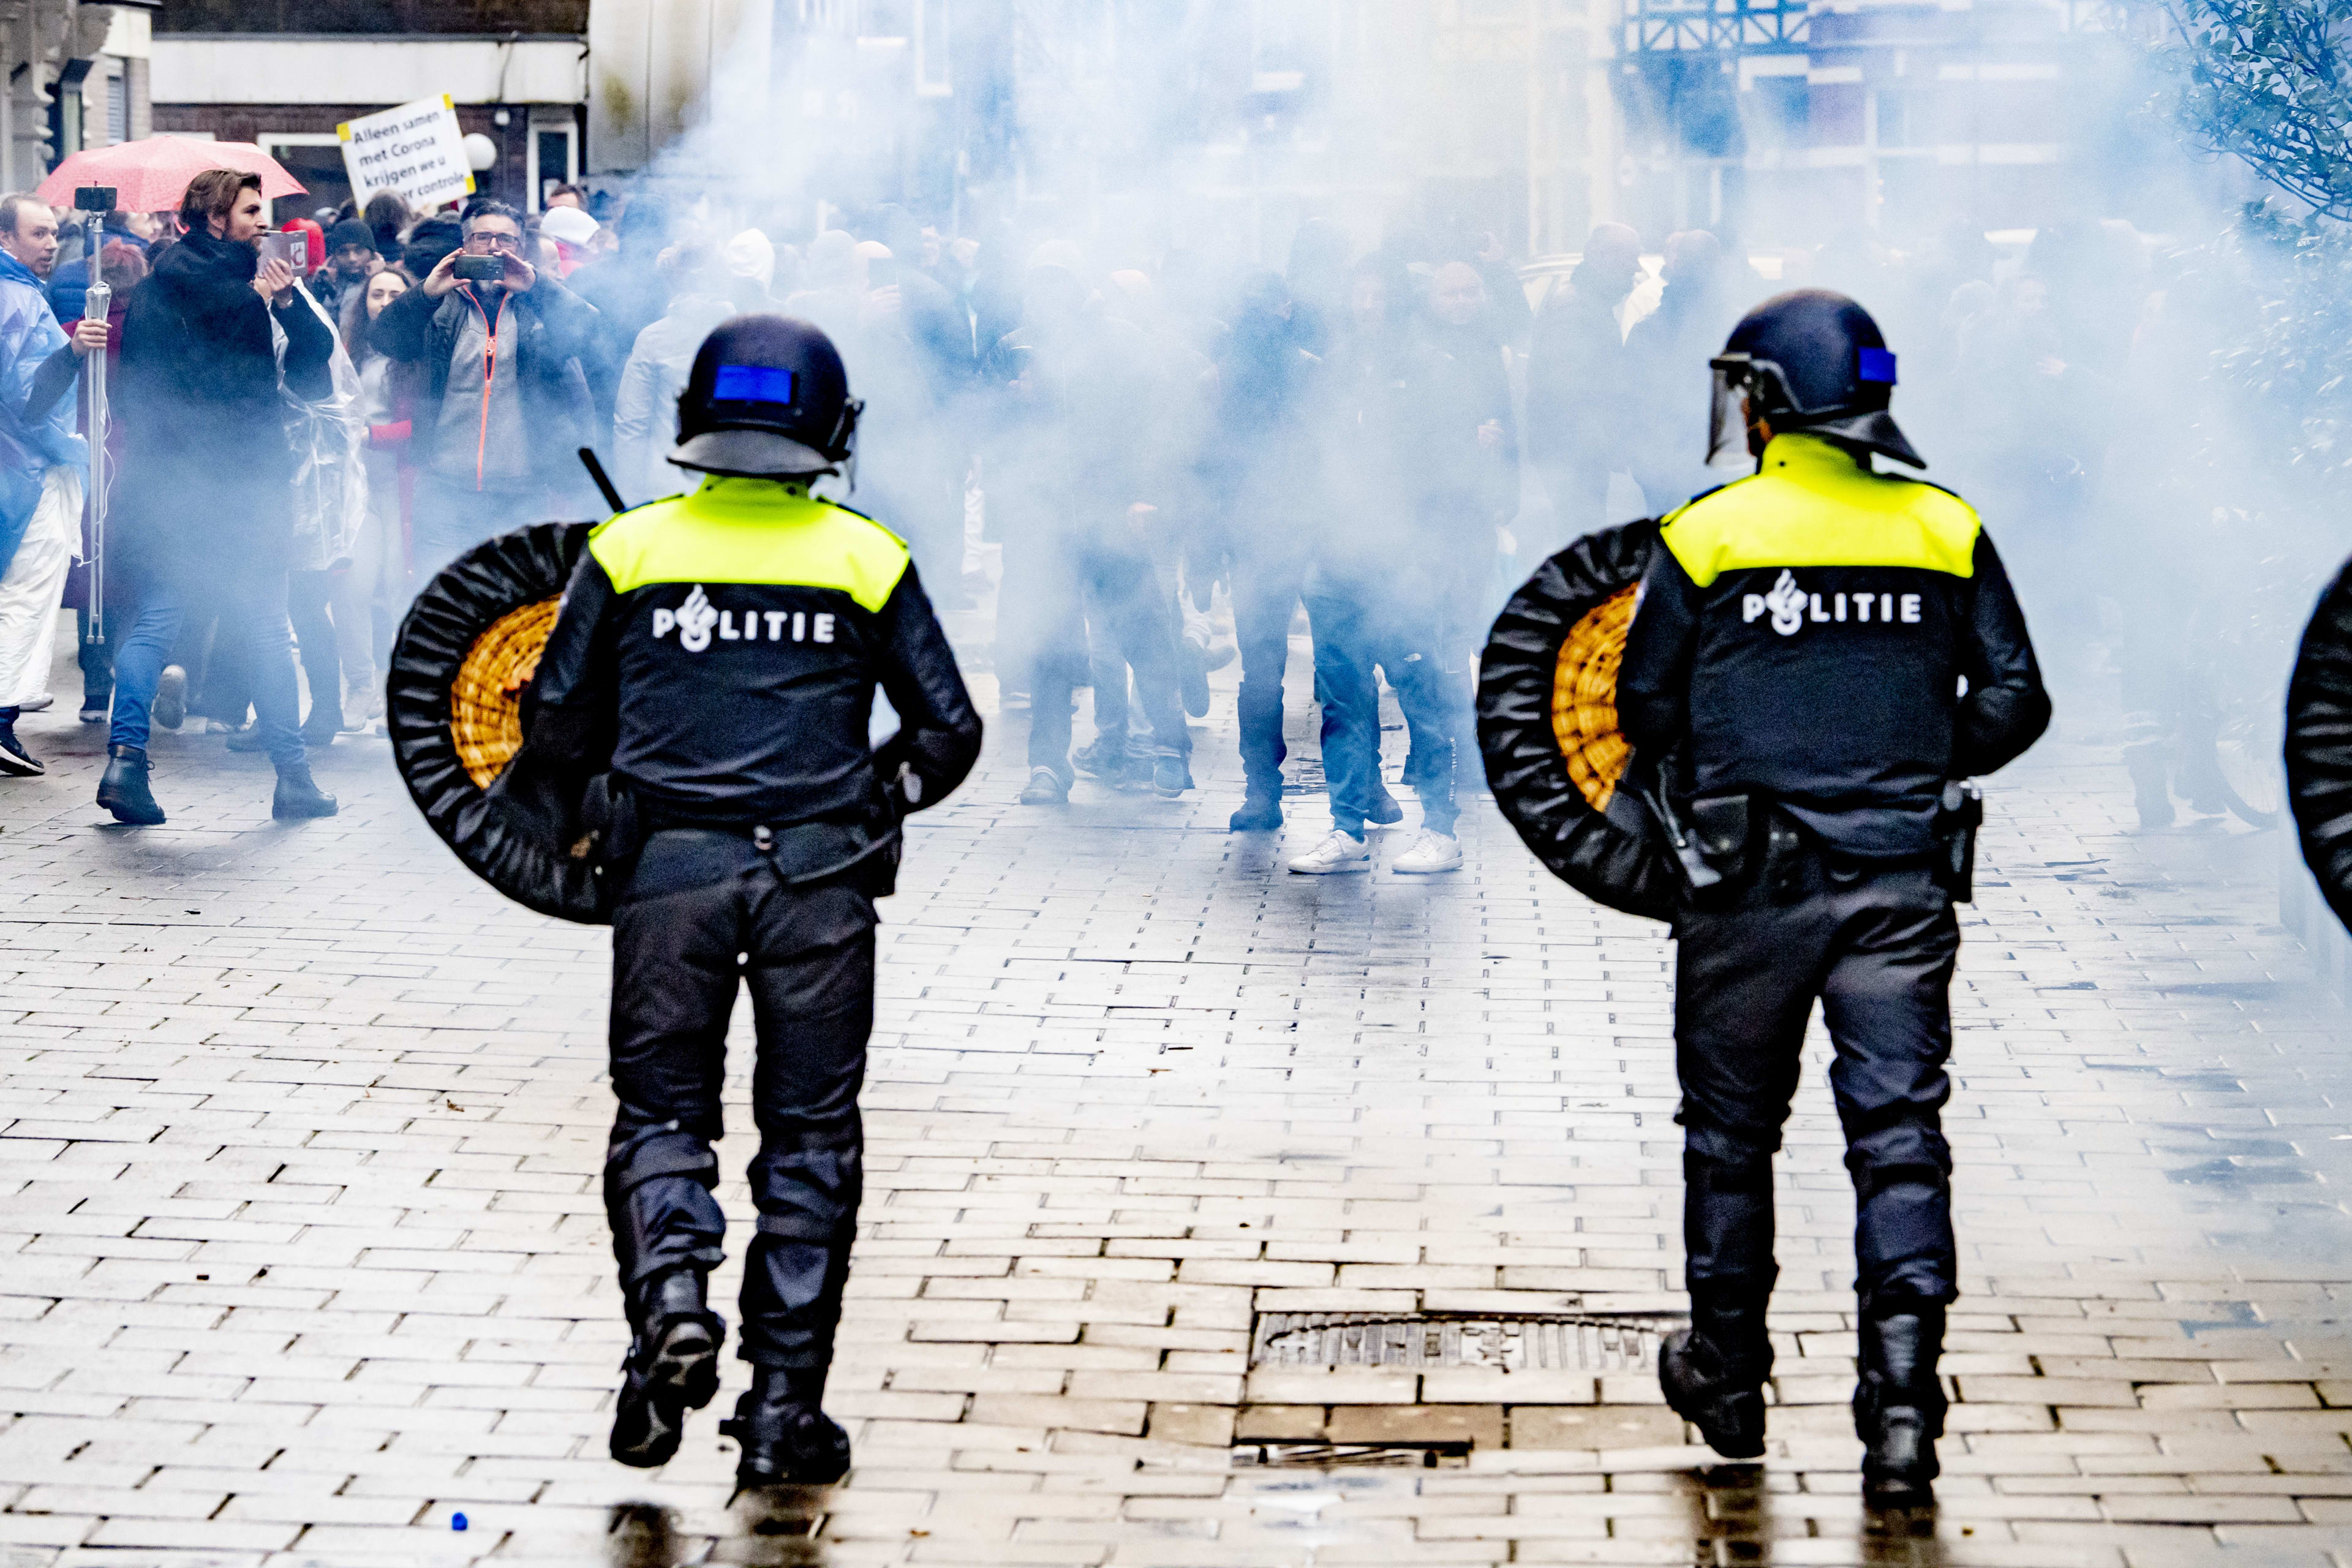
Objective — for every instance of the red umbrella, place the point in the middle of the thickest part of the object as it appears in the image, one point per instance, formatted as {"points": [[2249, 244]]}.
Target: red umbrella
{"points": [[150, 175]]}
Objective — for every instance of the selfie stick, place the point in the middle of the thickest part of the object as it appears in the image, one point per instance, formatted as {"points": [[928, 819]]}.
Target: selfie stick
{"points": [[93, 370]]}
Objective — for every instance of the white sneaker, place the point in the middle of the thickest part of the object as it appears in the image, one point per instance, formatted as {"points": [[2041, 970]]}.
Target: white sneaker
{"points": [[1431, 853], [1338, 852]]}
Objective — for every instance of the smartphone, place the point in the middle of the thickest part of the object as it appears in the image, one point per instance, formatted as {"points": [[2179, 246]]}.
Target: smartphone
{"points": [[480, 269], [289, 246], [94, 198]]}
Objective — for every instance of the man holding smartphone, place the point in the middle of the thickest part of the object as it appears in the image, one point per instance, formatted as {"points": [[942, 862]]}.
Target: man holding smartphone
{"points": [[505, 402], [201, 520]]}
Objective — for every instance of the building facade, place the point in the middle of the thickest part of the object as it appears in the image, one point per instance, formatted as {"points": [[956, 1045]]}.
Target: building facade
{"points": [[285, 73], [1781, 121], [77, 78], [1790, 122]]}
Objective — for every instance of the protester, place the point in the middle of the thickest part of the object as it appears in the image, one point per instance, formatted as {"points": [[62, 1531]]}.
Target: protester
{"points": [[1261, 445], [1183, 393], [351, 260], [428, 241], [329, 436], [571, 229], [374, 593], [1578, 386], [750, 260], [202, 509], [43, 463], [387, 216], [915, 465], [629, 293], [71, 279], [1076, 512], [502, 405], [1373, 592], [1667, 351], [645, 412]]}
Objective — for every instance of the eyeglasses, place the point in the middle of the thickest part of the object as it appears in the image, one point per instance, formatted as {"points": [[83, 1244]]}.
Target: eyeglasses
{"points": [[481, 244]]}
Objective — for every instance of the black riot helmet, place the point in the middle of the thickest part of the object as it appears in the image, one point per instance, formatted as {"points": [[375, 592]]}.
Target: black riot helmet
{"points": [[767, 399], [1808, 360]]}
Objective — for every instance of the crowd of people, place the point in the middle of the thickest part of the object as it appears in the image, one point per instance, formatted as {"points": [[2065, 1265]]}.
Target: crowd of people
{"points": [[1385, 438]]}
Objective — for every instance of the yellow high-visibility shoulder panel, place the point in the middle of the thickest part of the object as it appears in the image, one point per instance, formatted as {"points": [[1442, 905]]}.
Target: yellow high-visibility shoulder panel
{"points": [[750, 530], [1810, 504]]}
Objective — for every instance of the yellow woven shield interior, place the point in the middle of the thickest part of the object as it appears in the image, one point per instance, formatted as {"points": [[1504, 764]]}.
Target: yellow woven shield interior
{"points": [[1584, 698], [486, 699]]}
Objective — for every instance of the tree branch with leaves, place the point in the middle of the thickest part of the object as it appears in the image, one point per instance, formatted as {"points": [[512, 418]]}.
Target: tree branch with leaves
{"points": [[2269, 82]]}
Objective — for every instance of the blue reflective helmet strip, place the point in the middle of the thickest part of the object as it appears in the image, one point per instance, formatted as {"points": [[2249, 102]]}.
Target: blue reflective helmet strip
{"points": [[752, 384], [1874, 364]]}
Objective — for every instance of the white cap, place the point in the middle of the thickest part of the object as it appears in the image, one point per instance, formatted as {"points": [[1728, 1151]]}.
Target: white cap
{"points": [[750, 255], [569, 224]]}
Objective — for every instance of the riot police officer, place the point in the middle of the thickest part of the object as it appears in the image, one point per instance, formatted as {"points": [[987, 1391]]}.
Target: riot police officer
{"points": [[1801, 638], [725, 645]]}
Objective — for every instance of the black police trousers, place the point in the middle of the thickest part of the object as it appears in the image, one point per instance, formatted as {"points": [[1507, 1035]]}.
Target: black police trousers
{"points": [[681, 942], [1877, 945]]}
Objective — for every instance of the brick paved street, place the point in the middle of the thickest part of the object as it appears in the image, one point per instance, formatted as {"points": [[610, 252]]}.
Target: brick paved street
{"points": [[304, 1254]]}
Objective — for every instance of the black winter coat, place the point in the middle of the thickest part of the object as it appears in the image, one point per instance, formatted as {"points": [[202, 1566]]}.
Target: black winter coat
{"points": [[207, 469]]}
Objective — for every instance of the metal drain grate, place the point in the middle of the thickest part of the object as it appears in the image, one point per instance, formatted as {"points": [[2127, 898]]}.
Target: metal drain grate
{"points": [[1359, 1456], [1531, 1342]]}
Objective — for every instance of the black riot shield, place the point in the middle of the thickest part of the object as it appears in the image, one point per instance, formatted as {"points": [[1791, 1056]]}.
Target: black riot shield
{"points": [[454, 703], [1547, 723], [2319, 745]]}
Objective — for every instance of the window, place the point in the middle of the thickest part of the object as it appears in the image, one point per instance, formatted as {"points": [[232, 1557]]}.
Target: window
{"points": [[1899, 125], [553, 156], [315, 159], [550, 154], [931, 78]]}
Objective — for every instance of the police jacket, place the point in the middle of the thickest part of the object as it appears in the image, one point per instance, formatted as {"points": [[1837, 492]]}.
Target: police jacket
{"points": [[1804, 634], [727, 644]]}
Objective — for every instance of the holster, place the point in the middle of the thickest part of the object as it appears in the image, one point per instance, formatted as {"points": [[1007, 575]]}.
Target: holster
{"points": [[1958, 816], [611, 831], [1750, 843]]}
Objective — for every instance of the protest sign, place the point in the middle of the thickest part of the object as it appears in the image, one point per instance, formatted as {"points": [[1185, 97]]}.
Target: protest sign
{"points": [[415, 149]]}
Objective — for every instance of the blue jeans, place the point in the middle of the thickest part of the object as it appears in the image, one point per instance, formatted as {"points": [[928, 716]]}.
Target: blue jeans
{"points": [[253, 607], [1265, 594], [451, 518], [1118, 591], [1354, 633]]}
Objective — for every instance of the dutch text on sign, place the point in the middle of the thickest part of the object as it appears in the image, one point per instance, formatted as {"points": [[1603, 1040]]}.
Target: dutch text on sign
{"points": [[415, 149]]}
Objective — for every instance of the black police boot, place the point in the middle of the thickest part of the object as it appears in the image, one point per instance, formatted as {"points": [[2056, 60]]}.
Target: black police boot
{"points": [[672, 1367], [1898, 1406], [1261, 812], [787, 1439], [1713, 1373], [1386, 810], [298, 796], [123, 788]]}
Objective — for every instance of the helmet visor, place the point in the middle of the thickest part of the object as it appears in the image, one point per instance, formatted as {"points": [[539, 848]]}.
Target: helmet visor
{"points": [[1727, 413]]}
